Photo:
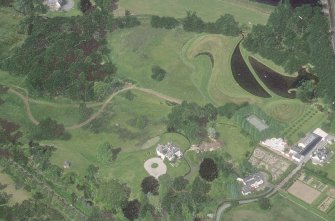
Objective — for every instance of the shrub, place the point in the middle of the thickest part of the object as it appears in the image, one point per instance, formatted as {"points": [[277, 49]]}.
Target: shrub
{"points": [[158, 73]]}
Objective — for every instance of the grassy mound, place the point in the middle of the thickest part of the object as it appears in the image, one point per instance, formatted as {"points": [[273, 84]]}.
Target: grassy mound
{"points": [[285, 110]]}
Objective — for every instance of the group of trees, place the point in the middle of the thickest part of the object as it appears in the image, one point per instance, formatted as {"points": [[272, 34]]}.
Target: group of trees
{"points": [[32, 209], [191, 119], [225, 25], [47, 129], [294, 38], [106, 153], [9, 132], [164, 22]]}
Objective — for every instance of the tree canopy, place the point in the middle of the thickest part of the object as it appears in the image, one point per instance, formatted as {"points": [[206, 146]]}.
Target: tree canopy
{"points": [[208, 170], [191, 119], [150, 185]]}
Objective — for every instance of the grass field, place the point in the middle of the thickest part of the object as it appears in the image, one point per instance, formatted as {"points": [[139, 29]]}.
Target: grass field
{"points": [[235, 143], [243, 10], [281, 209], [81, 150]]}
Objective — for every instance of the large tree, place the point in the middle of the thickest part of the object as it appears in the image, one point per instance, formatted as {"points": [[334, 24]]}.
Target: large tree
{"points": [[150, 185], [208, 169], [132, 210]]}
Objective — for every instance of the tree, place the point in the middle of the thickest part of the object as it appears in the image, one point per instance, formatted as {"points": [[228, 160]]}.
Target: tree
{"points": [[9, 132], [211, 112], [264, 203], [150, 185], [200, 189], [164, 22], [85, 5], [132, 210], [227, 25], [208, 169], [193, 23], [104, 154], [158, 73], [48, 129], [180, 183], [306, 91], [229, 109], [113, 194]]}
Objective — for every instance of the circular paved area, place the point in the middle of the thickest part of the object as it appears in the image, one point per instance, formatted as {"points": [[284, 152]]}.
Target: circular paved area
{"points": [[158, 170]]}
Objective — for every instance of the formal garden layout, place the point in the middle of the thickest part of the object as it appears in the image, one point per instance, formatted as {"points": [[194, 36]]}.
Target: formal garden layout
{"points": [[173, 110]]}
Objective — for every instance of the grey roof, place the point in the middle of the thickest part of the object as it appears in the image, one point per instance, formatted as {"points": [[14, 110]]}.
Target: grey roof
{"points": [[169, 150], [251, 179]]}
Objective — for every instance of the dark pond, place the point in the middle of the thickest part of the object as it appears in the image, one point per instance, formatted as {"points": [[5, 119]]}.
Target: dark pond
{"points": [[278, 83], [243, 75], [294, 3], [209, 55]]}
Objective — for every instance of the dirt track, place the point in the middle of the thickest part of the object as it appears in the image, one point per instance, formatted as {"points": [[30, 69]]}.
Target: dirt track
{"points": [[31, 117]]}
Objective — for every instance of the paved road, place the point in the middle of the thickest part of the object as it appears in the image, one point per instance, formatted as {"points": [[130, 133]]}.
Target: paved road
{"points": [[331, 6]]}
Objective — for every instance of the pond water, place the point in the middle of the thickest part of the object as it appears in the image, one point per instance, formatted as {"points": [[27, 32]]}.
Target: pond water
{"points": [[244, 77], [294, 3], [280, 84]]}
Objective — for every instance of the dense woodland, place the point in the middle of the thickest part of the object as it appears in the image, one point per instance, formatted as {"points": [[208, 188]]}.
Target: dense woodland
{"points": [[294, 38]]}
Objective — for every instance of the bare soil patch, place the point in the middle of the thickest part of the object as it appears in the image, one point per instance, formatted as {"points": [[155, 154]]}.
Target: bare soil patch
{"points": [[304, 192]]}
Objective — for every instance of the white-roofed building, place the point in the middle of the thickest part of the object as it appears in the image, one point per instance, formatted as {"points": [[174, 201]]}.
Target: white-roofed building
{"points": [[277, 144], [320, 133], [169, 151]]}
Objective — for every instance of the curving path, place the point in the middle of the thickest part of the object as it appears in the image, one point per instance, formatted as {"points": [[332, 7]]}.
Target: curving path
{"points": [[31, 117]]}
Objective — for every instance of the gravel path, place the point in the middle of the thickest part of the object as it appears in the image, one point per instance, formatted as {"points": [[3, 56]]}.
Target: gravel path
{"points": [[157, 171]]}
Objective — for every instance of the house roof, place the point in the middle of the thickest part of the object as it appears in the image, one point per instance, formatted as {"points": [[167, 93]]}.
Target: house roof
{"points": [[169, 150], [320, 132]]}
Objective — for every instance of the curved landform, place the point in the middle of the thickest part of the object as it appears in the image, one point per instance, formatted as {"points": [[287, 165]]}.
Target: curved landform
{"points": [[221, 86], [278, 83], [244, 77]]}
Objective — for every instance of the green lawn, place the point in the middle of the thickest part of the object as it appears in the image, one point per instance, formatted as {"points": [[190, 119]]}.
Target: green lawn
{"points": [[282, 209], [82, 148], [235, 143], [243, 10]]}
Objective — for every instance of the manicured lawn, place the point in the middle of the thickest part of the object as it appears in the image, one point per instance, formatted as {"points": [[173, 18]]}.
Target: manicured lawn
{"points": [[136, 50], [235, 143], [243, 10], [81, 149], [221, 85], [285, 110], [282, 209]]}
